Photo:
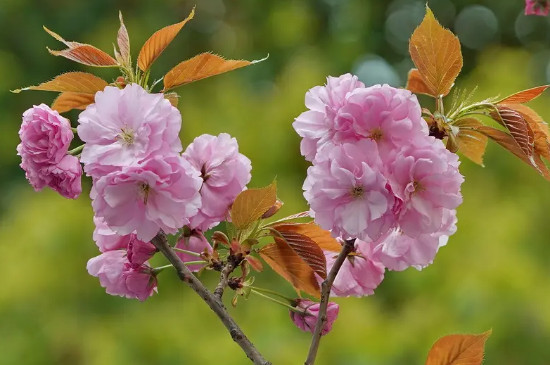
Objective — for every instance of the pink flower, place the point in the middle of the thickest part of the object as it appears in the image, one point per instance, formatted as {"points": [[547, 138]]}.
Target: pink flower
{"points": [[126, 126], [323, 121], [537, 7], [65, 177], [398, 251], [160, 193], [119, 277], [45, 139], [225, 173], [360, 273], [426, 179], [347, 191], [307, 319], [197, 243]]}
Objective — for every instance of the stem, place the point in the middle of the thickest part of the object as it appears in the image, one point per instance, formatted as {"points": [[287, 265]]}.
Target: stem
{"points": [[76, 150], [294, 309], [326, 286], [224, 278], [272, 292], [161, 243], [187, 252]]}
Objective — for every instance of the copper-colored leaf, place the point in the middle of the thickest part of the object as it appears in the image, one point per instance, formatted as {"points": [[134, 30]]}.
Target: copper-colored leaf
{"points": [[320, 236], [82, 53], [123, 41], [458, 350], [285, 262], [173, 98], [251, 204], [158, 42], [69, 100], [76, 82], [255, 263], [471, 143], [524, 96], [200, 67], [517, 126], [304, 247], [539, 127], [416, 84], [436, 54]]}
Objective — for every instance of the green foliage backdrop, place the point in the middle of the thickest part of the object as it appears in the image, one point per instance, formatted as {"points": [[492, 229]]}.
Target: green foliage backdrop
{"points": [[494, 273]]}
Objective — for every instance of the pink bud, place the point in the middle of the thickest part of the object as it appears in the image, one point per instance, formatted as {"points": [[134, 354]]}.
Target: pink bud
{"points": [[308, 318]]}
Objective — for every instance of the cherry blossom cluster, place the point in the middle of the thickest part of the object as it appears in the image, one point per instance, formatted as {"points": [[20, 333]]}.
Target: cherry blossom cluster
{"points": [[537, 7], [142, 182], [378, 177]]}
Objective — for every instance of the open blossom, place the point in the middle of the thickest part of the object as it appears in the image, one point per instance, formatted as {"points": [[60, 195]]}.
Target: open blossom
{"points": [[323, 121], [124, 127], [360, 273], [426, 180], [307, 319], [161, 193], [45, 139], [120, 277], [397, 251], [225, 173], [537, 7], [347, 192], [196, 243]]}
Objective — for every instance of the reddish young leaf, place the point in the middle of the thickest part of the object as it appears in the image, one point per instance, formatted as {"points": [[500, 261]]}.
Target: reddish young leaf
{"points": [[524, 96], [416, 84], [304, 247], [320, 236], [458, 350], [69, 100], [251, 204], [471, 143], [517, 126], [158, 42], [539, 127], [82, 53], [123, 41], [285, 262], [76, 82], [255, 263], [436, 54], [200, 67]]}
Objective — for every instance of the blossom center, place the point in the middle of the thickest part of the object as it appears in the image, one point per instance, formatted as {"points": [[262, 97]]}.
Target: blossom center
{"points": [[417, 187], [376, 134], [204, 174], [126, 136], [144, 190], [357, 191]]}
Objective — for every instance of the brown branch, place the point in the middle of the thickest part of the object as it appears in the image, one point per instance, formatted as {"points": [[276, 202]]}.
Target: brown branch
{"points": [[326, 286], [224, 279], [213, 302]]}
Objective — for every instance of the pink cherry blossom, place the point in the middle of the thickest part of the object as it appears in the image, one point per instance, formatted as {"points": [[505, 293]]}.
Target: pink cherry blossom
{"points": [[119, 277], [323, 121], [307, 319], [45, 139], [106, 239], [398, 251], [537, 7], [160, 193], [225, 173], [360, 273], [426, 179], [197, 243], [124, 127], [348, 193]]}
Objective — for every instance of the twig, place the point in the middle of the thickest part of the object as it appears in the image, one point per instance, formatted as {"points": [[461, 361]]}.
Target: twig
{"points": [[224, 278], [213, 302], [326, 286]]}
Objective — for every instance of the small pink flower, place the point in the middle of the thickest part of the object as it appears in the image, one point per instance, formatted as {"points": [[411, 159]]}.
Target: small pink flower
{"points": [[65, 177], [161, 193], [360, 273], [225, 173], [347, 191], [307, 319], [426, 179], [197, 243], [323, 121], [537, 7], [125, 127], [119, 277], [45, 139], [398, 251]]}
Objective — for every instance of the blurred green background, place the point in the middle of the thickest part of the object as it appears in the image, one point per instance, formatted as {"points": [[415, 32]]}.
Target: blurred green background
{"points": [[494, 273]]}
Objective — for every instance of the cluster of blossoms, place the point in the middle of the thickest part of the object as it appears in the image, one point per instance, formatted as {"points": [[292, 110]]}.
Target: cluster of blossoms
{"points": [[537, 7], [378, 177], [142, 182]]}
